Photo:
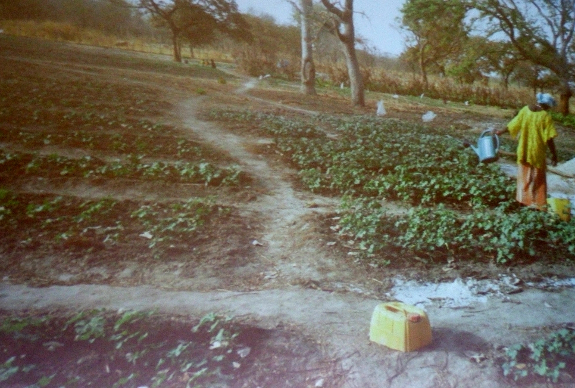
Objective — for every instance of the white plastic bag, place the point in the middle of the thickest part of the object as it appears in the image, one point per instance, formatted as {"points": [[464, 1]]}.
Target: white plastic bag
{"points": [[429, 116], [380, 108]]}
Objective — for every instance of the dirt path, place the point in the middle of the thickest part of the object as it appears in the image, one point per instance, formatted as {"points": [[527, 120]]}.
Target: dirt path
{"points": [[285, 214], [341, 322]]}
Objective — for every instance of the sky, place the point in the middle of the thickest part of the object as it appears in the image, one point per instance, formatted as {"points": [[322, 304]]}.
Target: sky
{"points": [[374, 20]]}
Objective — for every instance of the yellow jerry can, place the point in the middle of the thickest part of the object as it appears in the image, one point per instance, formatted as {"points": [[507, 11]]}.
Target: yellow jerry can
{"points": [[561, 207], [400, 326]]}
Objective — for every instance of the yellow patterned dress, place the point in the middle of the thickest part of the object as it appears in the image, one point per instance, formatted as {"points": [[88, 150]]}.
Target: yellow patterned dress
{"points": [[533, 128]]}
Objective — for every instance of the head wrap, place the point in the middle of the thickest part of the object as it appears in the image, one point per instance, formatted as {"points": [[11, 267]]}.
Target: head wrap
{"points": [[546, 98]]}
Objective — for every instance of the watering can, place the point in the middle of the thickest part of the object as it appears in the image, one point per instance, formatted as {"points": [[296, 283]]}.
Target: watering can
{"points": [[487, 146]]}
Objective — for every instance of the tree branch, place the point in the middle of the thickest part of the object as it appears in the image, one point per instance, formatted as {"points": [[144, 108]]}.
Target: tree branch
{"points": [[295, 6], [333, 9]]}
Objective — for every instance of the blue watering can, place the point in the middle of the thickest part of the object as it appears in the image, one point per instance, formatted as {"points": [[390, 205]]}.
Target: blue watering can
{"points": [[487, 146]]}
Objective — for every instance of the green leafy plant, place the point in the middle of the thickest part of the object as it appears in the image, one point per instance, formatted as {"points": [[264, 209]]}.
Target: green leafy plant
{"points": [[7, 370], [193, 355], [8, 203], [90, 208], [88, 325], [176, 222], [48, 206], [544, 358]]}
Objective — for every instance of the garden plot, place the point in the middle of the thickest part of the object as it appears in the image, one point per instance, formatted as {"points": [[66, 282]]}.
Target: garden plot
{"points": [[92, 173], [130, 348], [146, 184]]}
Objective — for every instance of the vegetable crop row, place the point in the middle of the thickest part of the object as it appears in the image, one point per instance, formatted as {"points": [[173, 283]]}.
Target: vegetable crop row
{"points": [[149, 144], [107, 221], [132, 345], [56, 165], [504, 234], [385, 159], [460, 208]]}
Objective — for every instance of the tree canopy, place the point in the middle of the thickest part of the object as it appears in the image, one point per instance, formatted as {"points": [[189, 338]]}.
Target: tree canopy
{"points": [[541, 31], [196, 20], [102, 15], [438, 31]]}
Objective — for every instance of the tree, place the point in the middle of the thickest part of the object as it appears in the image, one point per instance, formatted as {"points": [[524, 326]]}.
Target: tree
{"points": [[200, 33], [542, 32], [470, 65], [272, 44], [307, 63], [196, 20], [438, 32], [341, 25], [304, 12], [534, 76], [501, 58]]}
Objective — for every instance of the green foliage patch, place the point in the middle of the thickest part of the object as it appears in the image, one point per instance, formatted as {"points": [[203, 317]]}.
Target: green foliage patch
{"points": [[61, 219], [122, 349], [383, 158], [460, 208], [133, 167], [545, 358]]}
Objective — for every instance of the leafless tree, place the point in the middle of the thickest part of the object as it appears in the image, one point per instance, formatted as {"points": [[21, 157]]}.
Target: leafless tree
{"points": [[305, 9], [341, 24], [307, 63]]}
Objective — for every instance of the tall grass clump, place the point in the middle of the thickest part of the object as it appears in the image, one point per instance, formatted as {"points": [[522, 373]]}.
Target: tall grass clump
{"points": [[59, 31], [449, 89]]}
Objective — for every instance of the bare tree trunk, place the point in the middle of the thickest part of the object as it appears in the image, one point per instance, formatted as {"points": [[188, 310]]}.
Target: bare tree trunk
{"points": [[343, 28], [307, 63], [176, 47], [177, 54], [564, 98], [422, 65], [353, 70], [423, 71], [506, 77]]}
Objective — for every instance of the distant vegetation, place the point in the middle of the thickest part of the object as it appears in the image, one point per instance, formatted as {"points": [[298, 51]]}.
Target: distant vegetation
{"points": [[105, 23]]}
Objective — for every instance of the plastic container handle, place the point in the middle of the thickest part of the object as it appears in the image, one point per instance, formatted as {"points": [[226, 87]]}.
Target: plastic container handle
{"points": [[395, 310], [493, 134], [411, 317]]}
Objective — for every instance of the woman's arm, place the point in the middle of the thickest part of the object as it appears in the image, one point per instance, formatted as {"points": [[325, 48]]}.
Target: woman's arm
{"points": [[551, 145]]}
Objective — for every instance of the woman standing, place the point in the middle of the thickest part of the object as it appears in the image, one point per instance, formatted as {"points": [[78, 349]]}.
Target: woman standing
{"points": [[534, 128]]}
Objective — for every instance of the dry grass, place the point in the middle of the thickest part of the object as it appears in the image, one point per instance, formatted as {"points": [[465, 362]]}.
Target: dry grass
{"points": [[376, 79], [59, 31]]}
